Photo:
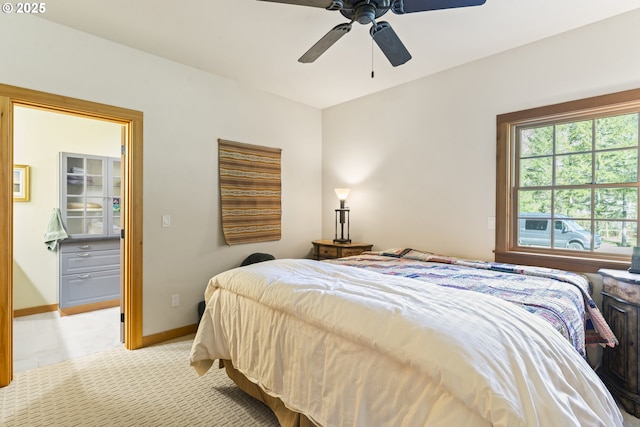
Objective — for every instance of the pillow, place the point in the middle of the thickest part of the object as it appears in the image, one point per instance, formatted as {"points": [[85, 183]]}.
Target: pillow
{"points": [[429, 256], [395, 252], [419, 255]]}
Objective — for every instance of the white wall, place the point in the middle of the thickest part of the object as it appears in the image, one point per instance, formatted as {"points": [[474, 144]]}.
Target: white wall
{"points": [[39, 136], [420, 158], [185, 111]]}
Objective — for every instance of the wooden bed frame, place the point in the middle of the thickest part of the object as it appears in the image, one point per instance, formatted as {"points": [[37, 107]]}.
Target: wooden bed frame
{"points": [[286, 417]]}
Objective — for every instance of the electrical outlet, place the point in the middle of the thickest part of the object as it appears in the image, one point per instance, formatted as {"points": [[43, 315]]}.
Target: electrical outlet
{"points": [[175, 300]]}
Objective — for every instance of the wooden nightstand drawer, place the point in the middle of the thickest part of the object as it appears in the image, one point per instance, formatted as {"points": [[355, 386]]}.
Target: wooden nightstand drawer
{"points": [[327, 249], [328, 252], [351, 251]]}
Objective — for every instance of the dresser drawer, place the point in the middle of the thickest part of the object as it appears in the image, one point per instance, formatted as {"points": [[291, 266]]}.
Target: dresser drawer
{"points": [[94, 245], [328, 252], [85, 262], [626, 291], [353, 251], [87, 288], [329, 249]]}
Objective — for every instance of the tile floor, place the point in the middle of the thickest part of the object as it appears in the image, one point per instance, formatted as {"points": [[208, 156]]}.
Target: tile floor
{"points": [[46, 338]]}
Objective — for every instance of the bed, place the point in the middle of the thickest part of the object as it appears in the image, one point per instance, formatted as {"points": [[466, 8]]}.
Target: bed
{"points": [[408, 338]]}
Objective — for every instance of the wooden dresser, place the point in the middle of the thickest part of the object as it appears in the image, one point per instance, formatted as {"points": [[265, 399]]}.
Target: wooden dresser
{"points": [[620, 307], [326, 249]]}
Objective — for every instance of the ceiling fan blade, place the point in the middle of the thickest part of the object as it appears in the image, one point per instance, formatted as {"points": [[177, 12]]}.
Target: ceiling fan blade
{"points": [[389, 43], [410, 6], [325, 43], [325, 4]]}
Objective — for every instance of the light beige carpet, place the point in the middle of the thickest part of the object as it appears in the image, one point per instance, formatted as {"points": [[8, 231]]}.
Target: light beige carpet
{"points": [[154, 386]]}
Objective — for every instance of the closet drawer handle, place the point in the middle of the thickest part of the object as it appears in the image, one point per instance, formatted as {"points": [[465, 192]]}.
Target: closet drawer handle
{"points": [[84, 255], [84, 247], [83, 276]]}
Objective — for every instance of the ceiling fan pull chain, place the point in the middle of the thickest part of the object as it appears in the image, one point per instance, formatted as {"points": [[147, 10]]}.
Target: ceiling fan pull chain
{"points": [[372, 73]]}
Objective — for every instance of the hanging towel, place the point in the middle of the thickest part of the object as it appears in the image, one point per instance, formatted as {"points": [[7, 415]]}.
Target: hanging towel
{"points": [[55, 230]]}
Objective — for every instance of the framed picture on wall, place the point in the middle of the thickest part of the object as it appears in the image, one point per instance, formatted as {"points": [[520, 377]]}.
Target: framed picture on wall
{"points": [[20, 183]]}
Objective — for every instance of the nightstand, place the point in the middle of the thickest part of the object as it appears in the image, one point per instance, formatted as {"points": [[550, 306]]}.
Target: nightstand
{"points": [[620, 307], [326, 249]]}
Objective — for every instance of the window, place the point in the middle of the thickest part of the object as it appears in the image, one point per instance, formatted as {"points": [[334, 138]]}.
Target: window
{"points": [[574, 165]]}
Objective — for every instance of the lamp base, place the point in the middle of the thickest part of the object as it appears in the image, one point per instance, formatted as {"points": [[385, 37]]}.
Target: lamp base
{"points": [[341, 240]]}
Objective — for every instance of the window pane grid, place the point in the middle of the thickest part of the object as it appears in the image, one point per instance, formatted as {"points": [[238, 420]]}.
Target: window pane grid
{"points": [[576, 184]]}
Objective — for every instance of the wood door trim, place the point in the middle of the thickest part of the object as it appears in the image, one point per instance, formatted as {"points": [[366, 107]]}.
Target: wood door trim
{"points": [[131, 215], [6, 242]]}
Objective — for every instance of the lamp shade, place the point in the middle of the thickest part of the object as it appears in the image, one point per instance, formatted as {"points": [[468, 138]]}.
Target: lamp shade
{"points": [[342, 193]]}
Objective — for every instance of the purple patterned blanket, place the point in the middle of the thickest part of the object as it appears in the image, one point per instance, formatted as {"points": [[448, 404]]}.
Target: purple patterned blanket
{"points": [[559, 297]]}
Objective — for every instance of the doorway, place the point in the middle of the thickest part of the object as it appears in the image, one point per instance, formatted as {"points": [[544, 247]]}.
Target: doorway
{"points": [[131, 121], [67, 292]]}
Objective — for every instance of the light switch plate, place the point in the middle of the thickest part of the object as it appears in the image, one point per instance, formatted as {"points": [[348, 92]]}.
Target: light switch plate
{"points": [[491, 223], [166, 220]]}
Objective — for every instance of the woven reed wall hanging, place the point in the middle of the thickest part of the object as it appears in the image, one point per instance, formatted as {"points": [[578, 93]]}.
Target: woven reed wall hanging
{"points": [[250, 192]]}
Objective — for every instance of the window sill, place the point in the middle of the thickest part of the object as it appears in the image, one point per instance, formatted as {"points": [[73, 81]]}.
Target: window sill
{"points": [[569, 263]]}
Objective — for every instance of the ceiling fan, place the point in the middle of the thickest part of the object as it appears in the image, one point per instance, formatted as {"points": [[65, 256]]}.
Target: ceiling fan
{"points": [[366, 12]]}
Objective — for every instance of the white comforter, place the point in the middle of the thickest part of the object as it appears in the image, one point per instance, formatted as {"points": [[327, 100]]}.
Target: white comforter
{"points": [[350, 347]]}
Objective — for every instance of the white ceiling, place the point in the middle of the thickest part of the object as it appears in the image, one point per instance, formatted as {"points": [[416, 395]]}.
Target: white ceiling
{"points": [[258, 43]]}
